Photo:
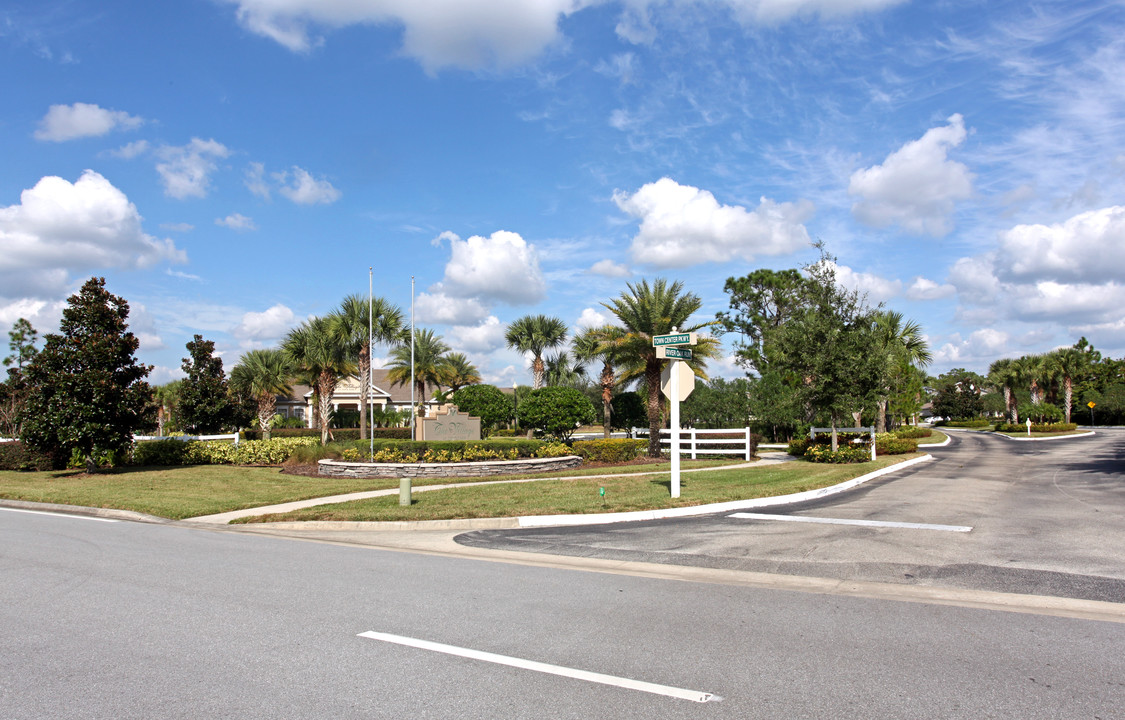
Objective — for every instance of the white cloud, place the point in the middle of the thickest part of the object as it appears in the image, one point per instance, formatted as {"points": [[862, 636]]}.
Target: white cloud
{"points": [[437, 33], [131, 150], [162, 374], [925, 289], [982, 346], [591, 317], [485, 337], [877, 289], [236, 221], [682, 225], [501, 267], [608, 268], [443, 237], [256, 180], [438, 307], [70, 122], [302, 188], [268, 325], [182, 275], [59, 228], [177, 227], [499, 33], [917, 186], [186, 170], [1087, 247]]}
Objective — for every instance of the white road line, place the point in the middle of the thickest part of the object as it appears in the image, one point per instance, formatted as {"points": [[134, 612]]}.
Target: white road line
{"points": [[693, 695], [841, 521], [76, 517]]}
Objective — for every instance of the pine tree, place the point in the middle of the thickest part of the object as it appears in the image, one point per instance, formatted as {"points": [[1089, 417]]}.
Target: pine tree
{"points": [[88, 392]]}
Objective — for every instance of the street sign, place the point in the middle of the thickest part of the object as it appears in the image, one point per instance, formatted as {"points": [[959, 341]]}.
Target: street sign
{"points": [[686, 380], [672, 353], [675, 339], [1091, 404]]}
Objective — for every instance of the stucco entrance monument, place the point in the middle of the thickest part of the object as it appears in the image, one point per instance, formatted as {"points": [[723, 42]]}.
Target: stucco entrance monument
{"points": [[448, 424]]}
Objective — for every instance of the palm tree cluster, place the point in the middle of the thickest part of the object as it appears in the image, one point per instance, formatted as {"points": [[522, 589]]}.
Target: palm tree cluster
{"points": [[1045, 376], [323, 350]]}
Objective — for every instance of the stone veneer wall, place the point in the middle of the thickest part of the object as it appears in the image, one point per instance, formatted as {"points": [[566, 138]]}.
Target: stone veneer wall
{"points": [[339, 468]]}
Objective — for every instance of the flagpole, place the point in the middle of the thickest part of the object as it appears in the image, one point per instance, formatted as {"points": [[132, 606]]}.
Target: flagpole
{"points": [[413, 409], [367, 390]]}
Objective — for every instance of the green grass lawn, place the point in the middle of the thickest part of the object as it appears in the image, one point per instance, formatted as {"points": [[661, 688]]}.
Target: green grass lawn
{"points": [[193, 490], [623, 494]]}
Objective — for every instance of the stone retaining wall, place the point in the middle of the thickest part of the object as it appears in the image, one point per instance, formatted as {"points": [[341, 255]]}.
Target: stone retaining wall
{"points": [[339, 468]]}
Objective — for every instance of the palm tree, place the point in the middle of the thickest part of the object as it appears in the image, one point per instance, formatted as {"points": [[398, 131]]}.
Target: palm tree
{"points": [[1030, 369], [561, 370], [322, 361], [262, 375], [658, 309], [900, 344], [600, 343], [1067, 363], [535, 334], [461, 371], [350, 329], [430, 363], [1005, 375]]}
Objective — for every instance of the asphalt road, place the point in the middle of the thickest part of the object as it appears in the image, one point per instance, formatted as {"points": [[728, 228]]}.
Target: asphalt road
{"points": [[132, 620], [1047, 518]]}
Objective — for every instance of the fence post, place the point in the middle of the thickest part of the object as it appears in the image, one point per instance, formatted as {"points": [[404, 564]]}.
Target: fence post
{"points": [[693, 443], [747, 444], [872, 442]]}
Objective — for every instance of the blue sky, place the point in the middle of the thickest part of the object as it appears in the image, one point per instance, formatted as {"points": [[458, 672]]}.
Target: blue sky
{"points": [[234, 166]]}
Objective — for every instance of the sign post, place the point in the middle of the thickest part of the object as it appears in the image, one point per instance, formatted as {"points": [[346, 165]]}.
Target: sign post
{"points": [[675, 387], [1091, 405]]}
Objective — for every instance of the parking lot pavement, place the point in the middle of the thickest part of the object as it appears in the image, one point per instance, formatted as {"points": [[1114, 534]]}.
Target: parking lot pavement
{"points": [[1045, 519]]}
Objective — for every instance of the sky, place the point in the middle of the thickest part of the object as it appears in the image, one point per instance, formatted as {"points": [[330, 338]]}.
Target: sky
{"points": [[232, 167]]}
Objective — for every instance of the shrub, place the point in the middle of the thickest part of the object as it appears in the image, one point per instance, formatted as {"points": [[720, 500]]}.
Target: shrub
{"points": [[799, 446], [889, 444], [346, 435], [489, 403], [845, 454], [915, 433], [159, 452], [977, 423], [1040, 428], [609, 451], [17, 456], [556, 410]]}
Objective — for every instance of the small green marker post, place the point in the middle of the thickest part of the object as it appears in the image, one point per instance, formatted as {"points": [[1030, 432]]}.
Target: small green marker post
{"points": [[601, 491]]}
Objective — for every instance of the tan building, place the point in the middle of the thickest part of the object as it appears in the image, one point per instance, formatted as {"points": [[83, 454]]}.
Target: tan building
{"points": [[383, 395]]}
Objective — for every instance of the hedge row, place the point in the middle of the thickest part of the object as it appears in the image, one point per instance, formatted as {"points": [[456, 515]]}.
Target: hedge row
{"points": [[915, 433], [1036, 427], [339, 435], [977, 423], [609, 451], [250, 452], [17, 456]]}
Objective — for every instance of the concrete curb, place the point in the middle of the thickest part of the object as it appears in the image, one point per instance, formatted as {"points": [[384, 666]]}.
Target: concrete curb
{"points": [[1056, 437], [560, 520], [107, 513]]}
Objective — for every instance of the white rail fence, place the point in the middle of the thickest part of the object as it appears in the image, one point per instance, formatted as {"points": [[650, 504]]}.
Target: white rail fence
{"points": [[187, 438], [693, 442]]}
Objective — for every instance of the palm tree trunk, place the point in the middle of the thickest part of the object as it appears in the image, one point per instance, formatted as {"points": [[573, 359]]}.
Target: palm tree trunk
{"points": [[326, 385], [538, 370], [1068, 384], [267, 405], [652, 379], [365, 381], [881, 415], [607, 399]]}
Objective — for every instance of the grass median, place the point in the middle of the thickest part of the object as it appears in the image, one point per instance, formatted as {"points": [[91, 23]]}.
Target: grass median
{"points": [[583, 495], [194, 490]]}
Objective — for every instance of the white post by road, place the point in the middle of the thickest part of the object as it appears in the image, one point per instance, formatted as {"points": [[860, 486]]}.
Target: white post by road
{"points": [[674, 387]]}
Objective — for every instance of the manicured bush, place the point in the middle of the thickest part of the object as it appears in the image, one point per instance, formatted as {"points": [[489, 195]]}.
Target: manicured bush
{"points": [[977, 423], [611, 451], [915, 433], [17, 456], [556, 411], [1036, 428], [845, 454], [888, 444], [436, 450], [159, 452], [345, 435], [489, 403]]}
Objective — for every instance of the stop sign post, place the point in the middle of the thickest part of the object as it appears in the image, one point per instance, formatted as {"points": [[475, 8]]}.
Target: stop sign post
{"points": [[676, 382]]}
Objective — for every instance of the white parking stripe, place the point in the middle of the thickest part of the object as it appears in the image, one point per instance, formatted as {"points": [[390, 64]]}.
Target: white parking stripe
{"points": [[693, 695], [862, 523], [41, 512]]}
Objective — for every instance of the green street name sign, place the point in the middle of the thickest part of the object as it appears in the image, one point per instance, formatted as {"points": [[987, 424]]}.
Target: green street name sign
{"points": [[675, 339], [673, 353]]}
